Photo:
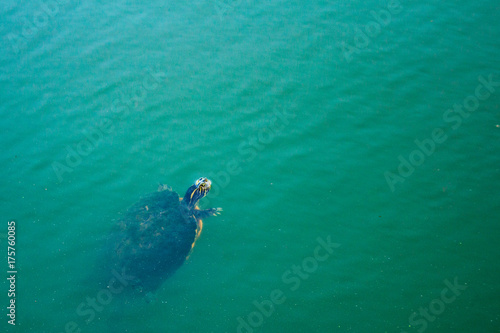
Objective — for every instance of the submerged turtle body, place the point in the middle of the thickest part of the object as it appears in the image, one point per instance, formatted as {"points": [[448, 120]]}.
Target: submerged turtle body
{"points": [[156, 235]]}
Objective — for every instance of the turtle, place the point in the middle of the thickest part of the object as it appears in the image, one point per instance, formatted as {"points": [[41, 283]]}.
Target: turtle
{"points": [[157, 234]]}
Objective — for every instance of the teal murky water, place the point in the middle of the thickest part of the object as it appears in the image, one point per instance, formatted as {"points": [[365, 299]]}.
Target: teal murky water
{"points": [[372, 125]]}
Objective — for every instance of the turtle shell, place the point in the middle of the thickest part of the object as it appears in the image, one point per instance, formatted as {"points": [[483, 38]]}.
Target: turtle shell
{"points": [[153, 239]]}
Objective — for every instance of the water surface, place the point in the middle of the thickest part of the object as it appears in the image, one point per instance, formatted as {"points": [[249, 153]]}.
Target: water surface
{"points": [[304, 115]]}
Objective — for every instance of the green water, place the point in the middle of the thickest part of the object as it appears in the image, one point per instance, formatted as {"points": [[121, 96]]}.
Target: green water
{"points": [[317, 119]]}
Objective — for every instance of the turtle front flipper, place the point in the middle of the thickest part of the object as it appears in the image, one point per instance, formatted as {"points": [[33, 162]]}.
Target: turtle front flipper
{"points": [[204, 213]]}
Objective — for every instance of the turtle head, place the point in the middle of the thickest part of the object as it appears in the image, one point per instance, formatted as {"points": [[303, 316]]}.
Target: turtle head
{"points": [[197, 191]]}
